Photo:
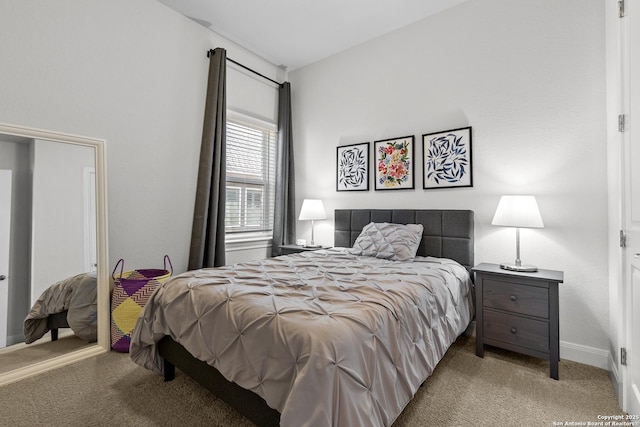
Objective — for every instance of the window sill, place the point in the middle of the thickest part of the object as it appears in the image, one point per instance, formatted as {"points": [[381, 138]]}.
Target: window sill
{"points": [[248, 237], [244, 241]]}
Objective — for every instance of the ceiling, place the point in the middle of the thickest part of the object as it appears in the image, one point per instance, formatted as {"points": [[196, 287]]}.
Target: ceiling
{"points": [[295, 33]]}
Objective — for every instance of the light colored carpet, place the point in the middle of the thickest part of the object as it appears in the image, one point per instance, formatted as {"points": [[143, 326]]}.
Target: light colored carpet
{"points": [[503, 388], [41, 350]]}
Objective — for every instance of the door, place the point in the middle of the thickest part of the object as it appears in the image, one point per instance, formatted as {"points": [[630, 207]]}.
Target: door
{"points": [[631, 201], [5, 231]]}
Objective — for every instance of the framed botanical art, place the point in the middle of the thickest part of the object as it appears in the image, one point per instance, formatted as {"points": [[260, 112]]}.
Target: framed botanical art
{"points": [[394, 163], [353, 167], [446, 159]]}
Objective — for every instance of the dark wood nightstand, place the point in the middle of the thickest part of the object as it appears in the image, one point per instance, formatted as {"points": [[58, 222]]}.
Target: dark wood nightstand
{"points": [[294, 249], [518, 311]]}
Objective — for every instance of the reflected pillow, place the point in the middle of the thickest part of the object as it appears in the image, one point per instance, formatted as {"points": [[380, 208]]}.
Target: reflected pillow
{"points": [[398, 242]]}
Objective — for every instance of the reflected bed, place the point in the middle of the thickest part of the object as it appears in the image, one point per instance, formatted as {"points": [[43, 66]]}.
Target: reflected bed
{"points": [[69, 303]]}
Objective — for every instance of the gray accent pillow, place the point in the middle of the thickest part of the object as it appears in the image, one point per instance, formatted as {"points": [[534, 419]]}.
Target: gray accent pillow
{"points": [[396, 242]]}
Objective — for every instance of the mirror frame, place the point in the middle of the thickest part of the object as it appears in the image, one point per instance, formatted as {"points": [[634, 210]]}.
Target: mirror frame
{"points": [[103, 284]]}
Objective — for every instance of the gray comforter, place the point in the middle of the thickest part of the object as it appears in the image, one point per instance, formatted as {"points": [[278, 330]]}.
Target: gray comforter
{"points": [[77, 294], [325, 337]]}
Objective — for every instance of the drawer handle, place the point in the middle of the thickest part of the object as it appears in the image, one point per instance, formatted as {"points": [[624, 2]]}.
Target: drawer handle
{"points": [[514, 331], [513, 297]]}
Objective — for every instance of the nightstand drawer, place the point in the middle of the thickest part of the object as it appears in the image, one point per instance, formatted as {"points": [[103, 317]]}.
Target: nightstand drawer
{"points": [[528, 333], [530, 300]]}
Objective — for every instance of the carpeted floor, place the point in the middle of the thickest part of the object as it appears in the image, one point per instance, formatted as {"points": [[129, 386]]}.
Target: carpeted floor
{"points": [[503, 388]]}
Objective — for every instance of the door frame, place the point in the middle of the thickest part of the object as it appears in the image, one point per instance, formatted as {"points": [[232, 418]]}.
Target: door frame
{"points": [[89, 218], [621, 307], [5, 253], [630, 98]]}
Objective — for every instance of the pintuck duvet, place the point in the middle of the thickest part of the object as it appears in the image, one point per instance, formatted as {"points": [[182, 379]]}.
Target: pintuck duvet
{"points": [[76, 295], [325, 337]]}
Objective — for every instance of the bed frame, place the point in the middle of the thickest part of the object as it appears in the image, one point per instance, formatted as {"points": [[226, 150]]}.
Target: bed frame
{"points": [[447, 234], [57, 321]]}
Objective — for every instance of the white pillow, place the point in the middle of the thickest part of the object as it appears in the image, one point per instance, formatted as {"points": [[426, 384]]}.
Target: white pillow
{"points": [[396, 242]]}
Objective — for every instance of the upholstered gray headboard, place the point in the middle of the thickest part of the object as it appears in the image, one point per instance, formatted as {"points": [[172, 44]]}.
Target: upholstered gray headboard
{"points": [[447, 233]]}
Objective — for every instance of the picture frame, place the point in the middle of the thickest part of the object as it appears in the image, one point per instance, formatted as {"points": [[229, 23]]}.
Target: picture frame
{"points": [[394, 163], [446, 159], [352, 167]]}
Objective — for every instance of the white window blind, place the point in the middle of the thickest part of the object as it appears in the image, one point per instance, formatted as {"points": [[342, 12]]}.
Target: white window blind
{"points": [[251, 152]]}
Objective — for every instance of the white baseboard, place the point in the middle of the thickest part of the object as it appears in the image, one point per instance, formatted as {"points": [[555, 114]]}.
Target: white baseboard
{"points": [[616, 380], [583, 354]]}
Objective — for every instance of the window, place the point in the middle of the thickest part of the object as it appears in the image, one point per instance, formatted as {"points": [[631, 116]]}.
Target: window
{"points": [[251, 152]]}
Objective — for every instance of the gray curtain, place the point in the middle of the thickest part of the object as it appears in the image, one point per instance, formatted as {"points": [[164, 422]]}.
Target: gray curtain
{"points": [[284, 223], [207, 235]]}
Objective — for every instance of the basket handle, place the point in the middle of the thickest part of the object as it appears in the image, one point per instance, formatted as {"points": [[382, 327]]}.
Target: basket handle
{"points": [[113, 275], [167, 259]]}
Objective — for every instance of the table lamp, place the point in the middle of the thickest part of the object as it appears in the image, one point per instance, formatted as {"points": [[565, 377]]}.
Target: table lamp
{"points": [[518, 211], [312, 210]]}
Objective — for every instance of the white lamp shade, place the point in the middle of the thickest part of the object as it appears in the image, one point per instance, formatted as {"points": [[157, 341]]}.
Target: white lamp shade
{"points": [[312, 209], [518, 211]]}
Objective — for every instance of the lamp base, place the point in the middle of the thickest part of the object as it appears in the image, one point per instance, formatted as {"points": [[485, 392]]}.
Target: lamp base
{"points": [[515, 267], [311, 246]]}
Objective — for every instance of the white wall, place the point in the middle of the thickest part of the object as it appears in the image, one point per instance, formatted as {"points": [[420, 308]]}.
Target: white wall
{"points": [[530, 80], [133, 73]]}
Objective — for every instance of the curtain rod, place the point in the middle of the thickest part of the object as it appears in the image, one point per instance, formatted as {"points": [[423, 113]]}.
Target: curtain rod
{"points": [[211, 51]]}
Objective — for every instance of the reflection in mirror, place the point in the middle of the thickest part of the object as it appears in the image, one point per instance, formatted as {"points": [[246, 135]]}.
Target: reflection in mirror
{"points": [[52, 250], [62, 231]]}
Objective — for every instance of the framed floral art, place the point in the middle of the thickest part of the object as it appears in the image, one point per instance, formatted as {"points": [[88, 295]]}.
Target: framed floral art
{"points": [[353, 167], [394, 163], [446, 159]]}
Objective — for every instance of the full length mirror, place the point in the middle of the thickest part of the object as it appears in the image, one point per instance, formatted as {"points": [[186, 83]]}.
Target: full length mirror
{"points": [[53, 249]]}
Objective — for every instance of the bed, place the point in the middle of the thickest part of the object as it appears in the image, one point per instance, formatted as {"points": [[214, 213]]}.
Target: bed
{"points": [[328, 337], [68, 303]]}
